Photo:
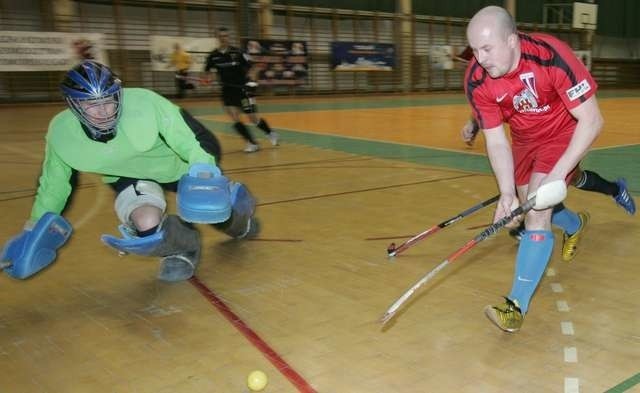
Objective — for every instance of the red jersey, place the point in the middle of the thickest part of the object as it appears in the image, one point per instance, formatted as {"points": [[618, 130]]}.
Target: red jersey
{"points": [[536, 97]]}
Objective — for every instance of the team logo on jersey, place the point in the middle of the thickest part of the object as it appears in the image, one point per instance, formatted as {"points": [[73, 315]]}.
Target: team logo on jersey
{"points": [[527, 100], [578, 90], [529, 81]]}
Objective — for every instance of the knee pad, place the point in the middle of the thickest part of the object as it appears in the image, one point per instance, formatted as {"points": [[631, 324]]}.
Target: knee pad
{"points": [[143, 192], [249, 105]]}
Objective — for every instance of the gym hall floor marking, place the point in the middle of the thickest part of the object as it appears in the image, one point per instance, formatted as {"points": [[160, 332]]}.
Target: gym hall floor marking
{"points": [[571, 355], [571, 384], [625, 385], [320, 196], [285, 369], [562, 306]]}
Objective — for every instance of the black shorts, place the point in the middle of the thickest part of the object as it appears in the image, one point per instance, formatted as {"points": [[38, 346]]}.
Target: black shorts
{"points": [[238, 97]]}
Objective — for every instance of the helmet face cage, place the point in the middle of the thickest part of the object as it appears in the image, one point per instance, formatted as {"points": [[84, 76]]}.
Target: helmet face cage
{"points": [[92, 84]]}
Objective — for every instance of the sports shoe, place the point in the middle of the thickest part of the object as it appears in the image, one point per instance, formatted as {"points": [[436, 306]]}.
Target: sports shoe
{"points": [[570, 243], [624, 199], [517, 233], [273, 137], [251, 147], [506, 316]]}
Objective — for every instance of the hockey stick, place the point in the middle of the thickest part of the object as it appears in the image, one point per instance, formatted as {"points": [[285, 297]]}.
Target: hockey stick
{"points": [[207, 81], [546, 196], [201, 81], [392, 250]]}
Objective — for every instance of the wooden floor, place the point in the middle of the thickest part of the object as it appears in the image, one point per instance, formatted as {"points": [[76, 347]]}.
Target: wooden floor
{"points": [[302, 301]]}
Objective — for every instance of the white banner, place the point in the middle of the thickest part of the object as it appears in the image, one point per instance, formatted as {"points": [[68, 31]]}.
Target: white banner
{"points": [[162, 48], [48, 51]]}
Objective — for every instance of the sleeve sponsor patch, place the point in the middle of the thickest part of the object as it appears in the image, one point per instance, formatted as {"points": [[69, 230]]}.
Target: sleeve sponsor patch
{"points": [[578, 90]]}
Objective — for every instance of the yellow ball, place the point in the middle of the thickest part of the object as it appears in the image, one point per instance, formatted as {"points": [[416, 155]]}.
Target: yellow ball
{"points": [[257, 380]]}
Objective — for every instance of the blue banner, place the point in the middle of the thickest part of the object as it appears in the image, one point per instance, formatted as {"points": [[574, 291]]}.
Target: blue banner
{"points": [[277, 62], [362, 56]]}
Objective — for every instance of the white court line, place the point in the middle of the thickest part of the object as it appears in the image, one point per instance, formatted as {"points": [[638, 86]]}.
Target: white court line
{"points": [[571, 385], [571, 355], [556, 287], [551, 272], [567, 328], [562, 306]]}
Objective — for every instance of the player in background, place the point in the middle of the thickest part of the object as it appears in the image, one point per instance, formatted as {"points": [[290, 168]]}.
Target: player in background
{"points": [[238, 91]]}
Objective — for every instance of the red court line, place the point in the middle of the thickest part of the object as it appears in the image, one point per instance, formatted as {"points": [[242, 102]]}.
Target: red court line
{"points": [[275, 359]]}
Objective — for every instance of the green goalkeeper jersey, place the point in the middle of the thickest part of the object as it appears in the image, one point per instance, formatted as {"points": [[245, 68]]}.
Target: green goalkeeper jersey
{"points": [[153, 142]]}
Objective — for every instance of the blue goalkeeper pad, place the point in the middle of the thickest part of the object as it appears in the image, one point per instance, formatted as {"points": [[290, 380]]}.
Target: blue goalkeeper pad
{"points": [[35, 249], [203, 195]]}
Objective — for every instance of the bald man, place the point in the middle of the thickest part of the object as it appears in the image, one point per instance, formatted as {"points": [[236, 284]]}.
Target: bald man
{"points": [[539, 87]]}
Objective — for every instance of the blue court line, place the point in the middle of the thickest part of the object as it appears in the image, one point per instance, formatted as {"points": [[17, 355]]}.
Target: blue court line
{"points": [[608, 162], [625, 385], [391, 102], [393, 151]]}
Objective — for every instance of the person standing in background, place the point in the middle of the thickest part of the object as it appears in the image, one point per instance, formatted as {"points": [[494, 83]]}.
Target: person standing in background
{"points": [[181, 61]]}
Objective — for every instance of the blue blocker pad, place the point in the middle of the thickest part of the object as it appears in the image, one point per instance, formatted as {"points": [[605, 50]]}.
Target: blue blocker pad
{"points": [[203, 195], [35, 249], [131, 244]]}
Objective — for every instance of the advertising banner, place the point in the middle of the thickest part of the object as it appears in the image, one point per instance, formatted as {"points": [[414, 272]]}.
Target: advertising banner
{"points": [[48, 51], [277, 62], [362, 56]]}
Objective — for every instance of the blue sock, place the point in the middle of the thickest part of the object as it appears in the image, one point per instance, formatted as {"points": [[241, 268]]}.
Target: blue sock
{"points": [[567, 220], [533, 256]]}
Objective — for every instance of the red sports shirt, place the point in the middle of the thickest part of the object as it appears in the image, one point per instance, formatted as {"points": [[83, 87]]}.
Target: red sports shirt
{"points": [[536, 97]]}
